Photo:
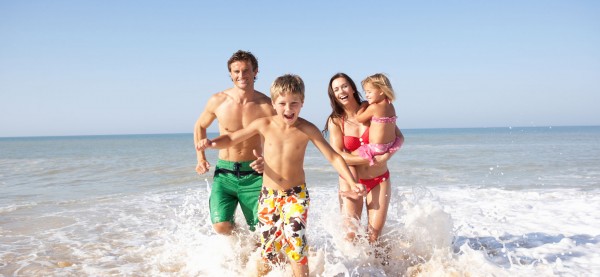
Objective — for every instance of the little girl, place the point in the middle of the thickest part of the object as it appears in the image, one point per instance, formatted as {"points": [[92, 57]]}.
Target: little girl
{"points": [[381, 113]]}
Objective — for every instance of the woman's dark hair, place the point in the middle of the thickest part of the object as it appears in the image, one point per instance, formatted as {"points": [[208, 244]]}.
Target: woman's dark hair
{"points": [[337, 110]]}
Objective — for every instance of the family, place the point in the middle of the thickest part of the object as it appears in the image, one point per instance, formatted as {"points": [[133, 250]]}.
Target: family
{"points": [[271, 190]]}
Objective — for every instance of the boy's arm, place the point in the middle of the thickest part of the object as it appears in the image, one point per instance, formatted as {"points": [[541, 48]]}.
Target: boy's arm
{"points": [[233, 138], [334, 158], [336, 140], [203, 122]]}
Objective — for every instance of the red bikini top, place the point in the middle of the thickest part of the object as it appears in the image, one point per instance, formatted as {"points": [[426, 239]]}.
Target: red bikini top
{"points": [[352, 143]]}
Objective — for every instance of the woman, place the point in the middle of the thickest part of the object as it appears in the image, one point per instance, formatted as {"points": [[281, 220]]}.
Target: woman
{"points": [[346, 135]]}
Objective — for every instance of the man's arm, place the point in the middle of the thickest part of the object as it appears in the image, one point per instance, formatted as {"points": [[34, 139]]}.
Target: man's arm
{"points": [[258, 165], [203, 122]]}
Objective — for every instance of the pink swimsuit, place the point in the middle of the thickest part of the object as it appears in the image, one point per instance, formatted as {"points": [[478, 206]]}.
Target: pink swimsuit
{"points": [[384, 119], [369, 151]]}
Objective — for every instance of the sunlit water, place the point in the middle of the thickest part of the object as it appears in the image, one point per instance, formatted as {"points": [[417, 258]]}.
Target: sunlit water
{"points": [[466, 202]]}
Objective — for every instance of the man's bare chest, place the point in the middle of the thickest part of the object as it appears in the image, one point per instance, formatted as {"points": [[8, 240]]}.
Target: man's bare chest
{"points": [[239, 117]]}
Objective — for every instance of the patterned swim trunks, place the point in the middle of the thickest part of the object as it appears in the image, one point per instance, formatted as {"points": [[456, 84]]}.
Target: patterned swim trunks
{"points": [[282, 218]]}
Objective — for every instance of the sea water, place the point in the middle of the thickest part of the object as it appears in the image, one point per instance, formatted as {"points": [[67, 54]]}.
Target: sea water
{"points": [[465, 202]]}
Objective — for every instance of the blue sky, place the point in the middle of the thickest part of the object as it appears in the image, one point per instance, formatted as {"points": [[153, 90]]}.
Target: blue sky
{"points": [[138, 67]]}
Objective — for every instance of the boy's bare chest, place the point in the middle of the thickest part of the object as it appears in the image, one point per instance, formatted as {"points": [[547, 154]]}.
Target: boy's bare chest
{"points": [[290, 140]]}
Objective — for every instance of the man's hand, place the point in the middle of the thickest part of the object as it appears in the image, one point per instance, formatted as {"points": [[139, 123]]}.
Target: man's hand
{"points": [[259, 164], [204, 143], [202, 167]]}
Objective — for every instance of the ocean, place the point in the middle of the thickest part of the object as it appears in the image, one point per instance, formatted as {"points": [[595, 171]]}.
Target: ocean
{"points": [[465, 202]]}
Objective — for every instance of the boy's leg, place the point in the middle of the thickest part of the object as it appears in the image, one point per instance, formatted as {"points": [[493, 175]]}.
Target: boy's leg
{"points": [[263, 267], [269, 229], [295, 213], [300, 270]]}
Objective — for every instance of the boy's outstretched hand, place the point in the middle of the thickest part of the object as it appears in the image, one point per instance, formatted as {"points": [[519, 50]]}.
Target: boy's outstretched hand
{"points": [[357, 192]]}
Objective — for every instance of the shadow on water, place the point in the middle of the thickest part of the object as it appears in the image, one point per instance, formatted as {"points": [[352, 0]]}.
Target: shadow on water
{"points": [[503, 250]]}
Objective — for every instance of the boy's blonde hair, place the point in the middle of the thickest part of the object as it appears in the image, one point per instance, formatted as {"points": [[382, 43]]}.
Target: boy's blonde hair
{"points": [[288, 83], [380, 81]]}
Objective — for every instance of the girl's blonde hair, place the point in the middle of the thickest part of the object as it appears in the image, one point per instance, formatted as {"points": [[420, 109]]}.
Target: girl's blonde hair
{"points": [[380, 81]]}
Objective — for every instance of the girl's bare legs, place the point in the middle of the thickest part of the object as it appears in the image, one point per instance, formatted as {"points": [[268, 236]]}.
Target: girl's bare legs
{"points": [[378, 201]]}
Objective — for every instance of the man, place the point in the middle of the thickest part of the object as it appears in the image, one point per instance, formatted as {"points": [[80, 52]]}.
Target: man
{"points": [[235, 180]]}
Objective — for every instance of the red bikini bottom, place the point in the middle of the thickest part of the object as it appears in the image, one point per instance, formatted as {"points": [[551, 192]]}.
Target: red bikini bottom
{"points": [[372, 183]]}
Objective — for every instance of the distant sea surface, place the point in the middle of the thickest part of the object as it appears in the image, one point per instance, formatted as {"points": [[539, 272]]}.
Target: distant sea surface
{"points": [[483, 201]]}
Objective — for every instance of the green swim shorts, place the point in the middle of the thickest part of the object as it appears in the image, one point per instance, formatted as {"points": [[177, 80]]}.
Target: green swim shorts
{"points": [[233, 183]]}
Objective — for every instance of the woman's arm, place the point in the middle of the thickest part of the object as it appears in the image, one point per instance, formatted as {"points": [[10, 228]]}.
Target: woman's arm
{"points": [[385, 157]]}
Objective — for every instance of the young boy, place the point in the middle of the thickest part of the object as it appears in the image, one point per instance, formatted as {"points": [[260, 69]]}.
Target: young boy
{"points": [[284, 200]]}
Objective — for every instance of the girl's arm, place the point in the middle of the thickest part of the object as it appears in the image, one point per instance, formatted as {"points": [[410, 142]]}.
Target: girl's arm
{"points": [[364, 115]]}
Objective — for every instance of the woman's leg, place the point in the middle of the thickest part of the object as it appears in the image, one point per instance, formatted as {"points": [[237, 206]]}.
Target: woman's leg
{"points": [[378, 201], [351, 209]]}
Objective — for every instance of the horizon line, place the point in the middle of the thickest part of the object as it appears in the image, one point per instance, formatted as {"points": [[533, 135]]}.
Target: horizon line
{"points": [[190, 133]]}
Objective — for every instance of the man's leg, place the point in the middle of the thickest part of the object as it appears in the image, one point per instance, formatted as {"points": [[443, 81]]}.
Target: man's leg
{"points": [[248, 193], [223, 202], [223, 228]]}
